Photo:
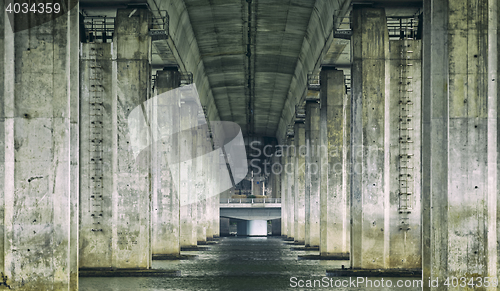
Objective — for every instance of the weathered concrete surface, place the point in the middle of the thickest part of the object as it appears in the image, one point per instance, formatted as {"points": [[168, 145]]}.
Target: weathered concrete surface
{"points": [[38, 156], [291, 183], [201, 180], [312, 164], [284, 194], [115, 212], [403, 117], [165, 204], [385, 214], [335, 167], [460, 140], [300, 185], [188, 210]]}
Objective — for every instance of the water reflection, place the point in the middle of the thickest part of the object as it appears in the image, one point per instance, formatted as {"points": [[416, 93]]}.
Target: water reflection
{"points": [[236, 264]]}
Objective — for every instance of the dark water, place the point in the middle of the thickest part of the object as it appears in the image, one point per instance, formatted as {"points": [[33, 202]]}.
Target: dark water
{"points": [[240, 264]]}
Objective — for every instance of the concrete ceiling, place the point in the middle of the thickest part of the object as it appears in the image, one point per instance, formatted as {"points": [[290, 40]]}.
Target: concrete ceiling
{"points": [[254, 55]]}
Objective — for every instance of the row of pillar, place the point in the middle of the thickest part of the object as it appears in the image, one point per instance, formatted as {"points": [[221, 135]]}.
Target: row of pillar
{"points": [[412, 182], [74, 192]]}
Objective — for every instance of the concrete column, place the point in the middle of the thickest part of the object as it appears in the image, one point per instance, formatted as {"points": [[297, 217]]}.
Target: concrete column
{"points": [[290, 173], [114, 184], [216, 196], [165, 196], [188, 212], [312, 169], [276, 176], [201, 179], [210, 202], [385, 193], [276, 227], [334, 156], [460, 141], [224, 226], [369, 42], [284, 194], [39, 152], [300, 185]]}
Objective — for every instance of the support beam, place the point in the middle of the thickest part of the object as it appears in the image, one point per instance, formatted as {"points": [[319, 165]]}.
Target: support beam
{"points": [[188, 212], [300, 185], [114, 185], [291, 183], [165, 196], [39, 151], [312, 168], [335, 167], [201, 179], [385, 191], [460, 140], [284, 193]]}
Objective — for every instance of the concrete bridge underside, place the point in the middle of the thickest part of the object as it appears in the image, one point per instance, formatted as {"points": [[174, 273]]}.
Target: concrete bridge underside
{"points": [[374, 122]]}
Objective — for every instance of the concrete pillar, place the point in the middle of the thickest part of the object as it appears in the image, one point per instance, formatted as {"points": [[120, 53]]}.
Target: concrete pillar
{"points": [[312, 169], [224, 226], [290, 173], [115, 185], [201, 179], [39, 152], [460, 141], [276, 227], [165, 196], [284, 193], [216, 196], [300, 185], [188, 149], [385, 193], [210, 202], [334, 156], [276, 176]]}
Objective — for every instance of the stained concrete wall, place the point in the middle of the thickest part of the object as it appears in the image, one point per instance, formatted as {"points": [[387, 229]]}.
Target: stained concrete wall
{"points": [[188, 209], [385, 192], [312, 169], [291, 183], [165, 193], [284, 195], [300, 184], [335, 167], [460, 140], [39, 152], [115, 212]]}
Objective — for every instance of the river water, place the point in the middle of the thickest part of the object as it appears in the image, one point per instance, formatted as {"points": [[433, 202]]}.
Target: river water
{"points": [[250, 263]]}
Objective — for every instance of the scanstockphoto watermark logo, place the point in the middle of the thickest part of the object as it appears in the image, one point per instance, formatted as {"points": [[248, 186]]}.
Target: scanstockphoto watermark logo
{"points": [[354, 282], [316, 157], [172, 126]]}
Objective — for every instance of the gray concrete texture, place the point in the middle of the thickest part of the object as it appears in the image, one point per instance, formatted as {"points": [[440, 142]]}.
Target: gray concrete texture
{"points": [[385, 193], [460, 139], [39, 160], [335, 161]]}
